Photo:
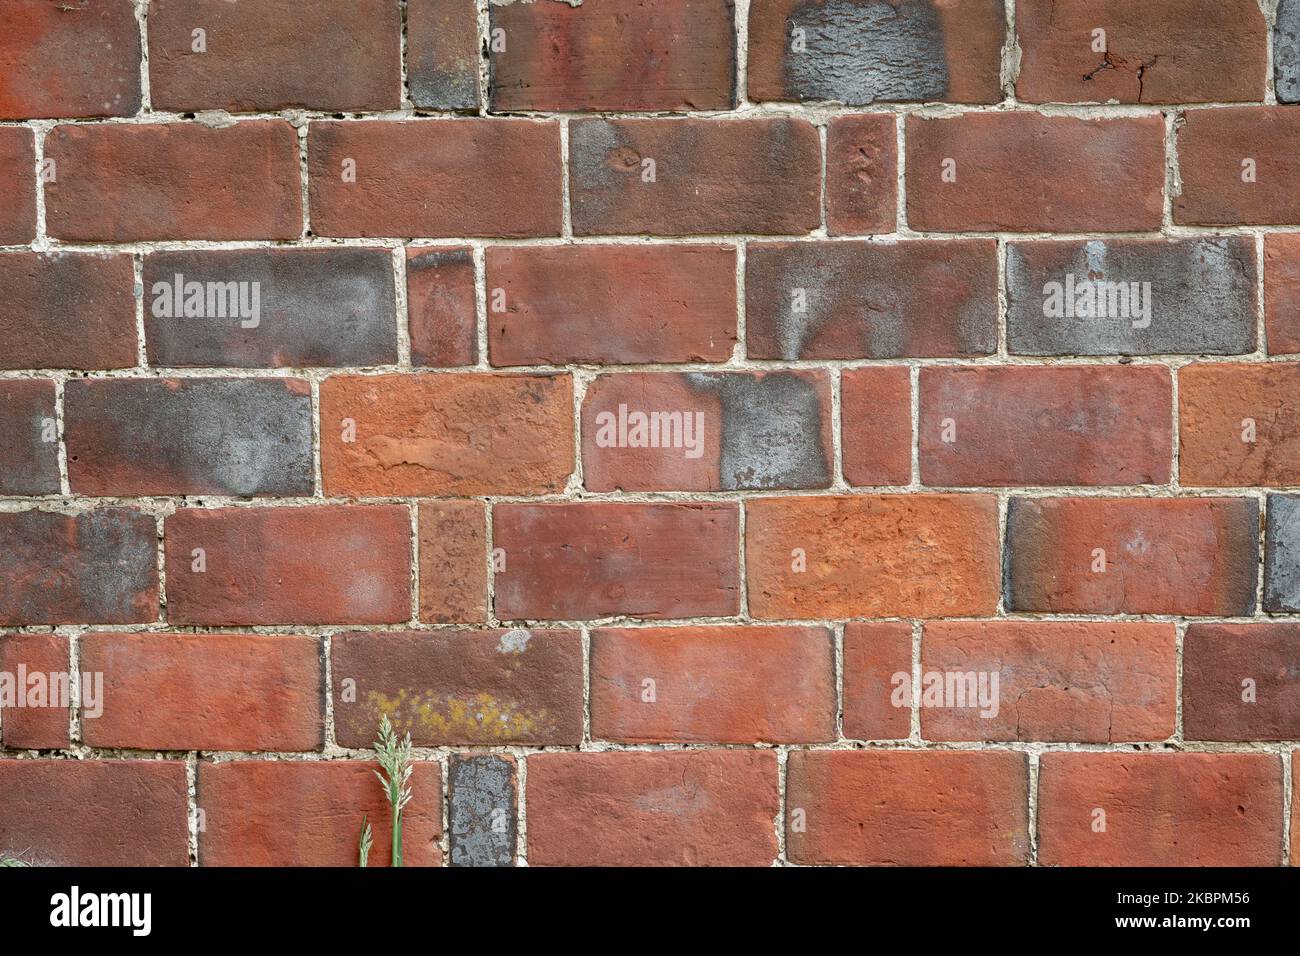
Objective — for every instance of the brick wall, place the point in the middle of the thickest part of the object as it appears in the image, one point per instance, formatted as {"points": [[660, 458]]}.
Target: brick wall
{"points": [[665, 412]]}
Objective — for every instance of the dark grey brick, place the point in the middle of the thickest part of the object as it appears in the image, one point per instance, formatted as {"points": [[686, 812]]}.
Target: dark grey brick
{"points": [[1286, 52], [483, 811], [1282, 554]]}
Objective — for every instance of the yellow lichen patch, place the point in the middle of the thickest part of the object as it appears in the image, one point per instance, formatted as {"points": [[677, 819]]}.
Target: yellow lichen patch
{"points": [[457, 719]]}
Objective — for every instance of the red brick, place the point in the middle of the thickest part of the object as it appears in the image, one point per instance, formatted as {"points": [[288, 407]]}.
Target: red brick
{"points": [[874, 653], [205, 692], [1180, 809], [452, 434], [846, 300], [694, 808], [1282, 293], [1213, 145], [861, 174], [1218, 660], [1038, 425], [453, 562], [1190, 556], [94, 812], [736, 430], [435, 178], [908, 808], [614, 55], [29, 441], [1167, 51], [1088, 682], [63, 60], [17, 185], [313, 565], [67, 310], [864, 51], [41, 722], [440, 303], [97, 567], [710, 176], [713, 684], [876, 425], [872, 556], [460, 687], [556, 305], [442, 53], [567, 561], [1025, 172], [1214, 403], [129, 182], [276, 54], [309, 813]]}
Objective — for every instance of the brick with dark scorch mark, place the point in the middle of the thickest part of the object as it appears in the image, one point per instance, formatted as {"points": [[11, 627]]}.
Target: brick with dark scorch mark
{"points": [[288, 307], [442, 54], [45, 725], [863, 51], [1241, 682], [98, 567], [1286, 52], [1282, 554], [440, 306], [707, 431], [861, 174], [233, 436], [17, 185], [844, 300], [482, 812], [470, 688], [29, 440], [1132, 297]]}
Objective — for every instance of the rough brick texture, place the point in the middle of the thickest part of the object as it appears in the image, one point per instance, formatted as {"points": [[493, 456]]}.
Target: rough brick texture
{"points": [[1239, 166]]}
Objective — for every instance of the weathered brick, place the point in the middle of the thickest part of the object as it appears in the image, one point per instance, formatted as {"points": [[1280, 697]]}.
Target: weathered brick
{"points": [[94, 812], [64, 60], [908, 808], [314, 565], [1025, 172], [37, 715], [29, 440], [1159, 297], [205, 692], [309, 813], [1037, 425], [453, 562], [435, 178], [731, 430], [614, 304], [482, 810], [713, 684], [1282, 554], [67, 310], [864, 51], [189, 436], [460, 687], [613, 55], [876, 425], [872, 556], [442, 54], [874, 653], [708, 176], [275, 54], [290, 307], [1286, 52], [129, 182], [440, 305], [1088, 682], [1177, 809], [861, 174], [683, 808], [1239, 166], [1191, 556], [17, 185], [1240, 682], [1237, 424], [451, 434], [845, 300], [97, 567], [572, 560], [1167, 51], [1281, 293]]}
